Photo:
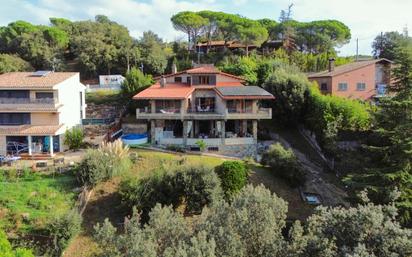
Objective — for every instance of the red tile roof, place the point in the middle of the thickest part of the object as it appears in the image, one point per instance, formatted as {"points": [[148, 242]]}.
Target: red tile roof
{"points": [[27, 80], [347, 68], [25, 130], [170, 91]]}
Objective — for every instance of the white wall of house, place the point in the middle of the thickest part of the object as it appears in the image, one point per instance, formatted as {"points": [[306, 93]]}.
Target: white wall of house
{"points": [[73, 111]]}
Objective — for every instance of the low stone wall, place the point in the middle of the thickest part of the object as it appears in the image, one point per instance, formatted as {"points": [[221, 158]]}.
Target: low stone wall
{"points": [[138, 128]]}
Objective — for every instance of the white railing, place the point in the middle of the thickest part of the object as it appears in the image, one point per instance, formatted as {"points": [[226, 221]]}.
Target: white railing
{"points": [[239, 141]]}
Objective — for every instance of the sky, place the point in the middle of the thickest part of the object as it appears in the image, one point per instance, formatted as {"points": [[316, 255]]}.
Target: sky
{"points": [[365, 18]]}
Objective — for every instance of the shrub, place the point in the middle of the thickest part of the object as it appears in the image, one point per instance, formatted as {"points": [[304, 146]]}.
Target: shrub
{"points": [[62, 229], [201, 144], [326, 115], [284, 163], [109, 160], [6, 249], [233, 176], [73, 138], [194, 186]]}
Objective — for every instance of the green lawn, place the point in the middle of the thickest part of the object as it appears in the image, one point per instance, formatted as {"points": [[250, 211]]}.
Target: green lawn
{"points": [[30, 202]]}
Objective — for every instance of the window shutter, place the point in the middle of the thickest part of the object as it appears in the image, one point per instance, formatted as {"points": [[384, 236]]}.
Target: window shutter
{"points": [[195, 80], [212, 80]]}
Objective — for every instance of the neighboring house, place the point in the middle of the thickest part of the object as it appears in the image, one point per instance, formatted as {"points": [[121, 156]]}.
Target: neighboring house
{"points": [[363, 80], [202, 103], [37, 108], [220, 45]]}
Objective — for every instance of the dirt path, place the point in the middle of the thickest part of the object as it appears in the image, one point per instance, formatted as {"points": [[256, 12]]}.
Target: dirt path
{"points": [[319, 179]]}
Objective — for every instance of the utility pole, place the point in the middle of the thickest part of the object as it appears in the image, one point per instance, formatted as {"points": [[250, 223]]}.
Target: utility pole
{"points": [[357, 49]]}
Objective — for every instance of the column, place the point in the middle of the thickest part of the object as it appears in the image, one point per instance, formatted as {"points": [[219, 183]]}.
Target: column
{"points": [[185, 132], [29, 142], [51, 145], [255, 130], [153, 106], [152, 131], [244, 127], [223, 130]]}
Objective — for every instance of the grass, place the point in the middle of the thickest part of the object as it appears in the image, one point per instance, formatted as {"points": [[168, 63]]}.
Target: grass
{"points": [[105, 201], [104, 97], [29, 202]]}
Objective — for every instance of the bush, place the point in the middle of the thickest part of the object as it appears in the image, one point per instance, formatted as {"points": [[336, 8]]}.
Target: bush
{"points": [[194, 186], [284, 163], [201, 144], [109, 160], [233, 176], [63, 229], [326, 115], [73, 138], [6, 249]]}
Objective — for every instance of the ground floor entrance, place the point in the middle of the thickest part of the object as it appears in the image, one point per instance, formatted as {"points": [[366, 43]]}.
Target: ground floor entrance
{"points": [[16, 145], [213, 132]]}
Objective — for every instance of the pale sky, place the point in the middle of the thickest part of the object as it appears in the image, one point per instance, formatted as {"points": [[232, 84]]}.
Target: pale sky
{"points": [[365, 18]]}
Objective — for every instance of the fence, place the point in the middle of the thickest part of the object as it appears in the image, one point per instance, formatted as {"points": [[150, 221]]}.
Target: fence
{"points": [[97, 121]]}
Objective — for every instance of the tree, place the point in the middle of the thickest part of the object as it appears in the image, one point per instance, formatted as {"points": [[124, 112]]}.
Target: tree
{"points": [[7, 251], [364, 230], [251, 32], [135, 82], [190, 23], [10, 63], [152, 53], [290, 90], [391, 152], [385, 44], [233, 177]]}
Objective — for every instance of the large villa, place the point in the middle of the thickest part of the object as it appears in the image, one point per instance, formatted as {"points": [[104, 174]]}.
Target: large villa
{"points": [[202, 103]]}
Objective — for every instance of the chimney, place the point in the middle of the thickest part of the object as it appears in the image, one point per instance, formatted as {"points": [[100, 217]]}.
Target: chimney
{"points": [[331, 64], [174, 68], [162, 81]]}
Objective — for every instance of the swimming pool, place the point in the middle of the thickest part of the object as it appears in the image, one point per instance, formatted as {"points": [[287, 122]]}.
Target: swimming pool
{"points": [[134, 139]]}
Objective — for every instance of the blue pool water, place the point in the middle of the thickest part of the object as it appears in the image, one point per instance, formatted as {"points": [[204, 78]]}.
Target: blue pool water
{"points": [[134, 136]]}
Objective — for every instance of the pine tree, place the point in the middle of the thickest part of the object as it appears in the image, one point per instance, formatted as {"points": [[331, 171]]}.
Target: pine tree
{"points": [[391, 152]]}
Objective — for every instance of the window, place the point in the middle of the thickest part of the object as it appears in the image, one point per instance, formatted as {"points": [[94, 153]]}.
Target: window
{"points": [[204, 80], [178, 79], [43, 95], [342, 86], [189, 80], [14, 94], [361, 86], [324, 86], [14, 118]]}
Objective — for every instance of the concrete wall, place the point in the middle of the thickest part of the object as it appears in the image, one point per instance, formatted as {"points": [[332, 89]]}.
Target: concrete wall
{"points": [[69, 95], [328, 82], [364, 75], [45, 118]]}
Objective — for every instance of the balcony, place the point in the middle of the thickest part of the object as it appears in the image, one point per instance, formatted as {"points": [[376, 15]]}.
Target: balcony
{"points": [[261, 113], [161, 113], [29, 104], [202, 114]]}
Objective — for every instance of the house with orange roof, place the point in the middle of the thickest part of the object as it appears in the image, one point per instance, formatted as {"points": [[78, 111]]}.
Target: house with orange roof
{"points": [[202, 103], [364, 80], [36, 108]]}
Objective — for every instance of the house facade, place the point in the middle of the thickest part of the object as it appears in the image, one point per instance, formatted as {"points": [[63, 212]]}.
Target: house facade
{"points": [[202, 104], [37, 108], [364, 80]]}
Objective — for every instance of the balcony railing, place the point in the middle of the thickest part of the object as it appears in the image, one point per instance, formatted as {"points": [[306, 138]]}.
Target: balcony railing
{"points": [[4, 100], [234, 110], [168, 110], [201, 109]]}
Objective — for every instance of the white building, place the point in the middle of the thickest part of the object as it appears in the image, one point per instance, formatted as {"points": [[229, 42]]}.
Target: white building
{"points": [[37, 108]]}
